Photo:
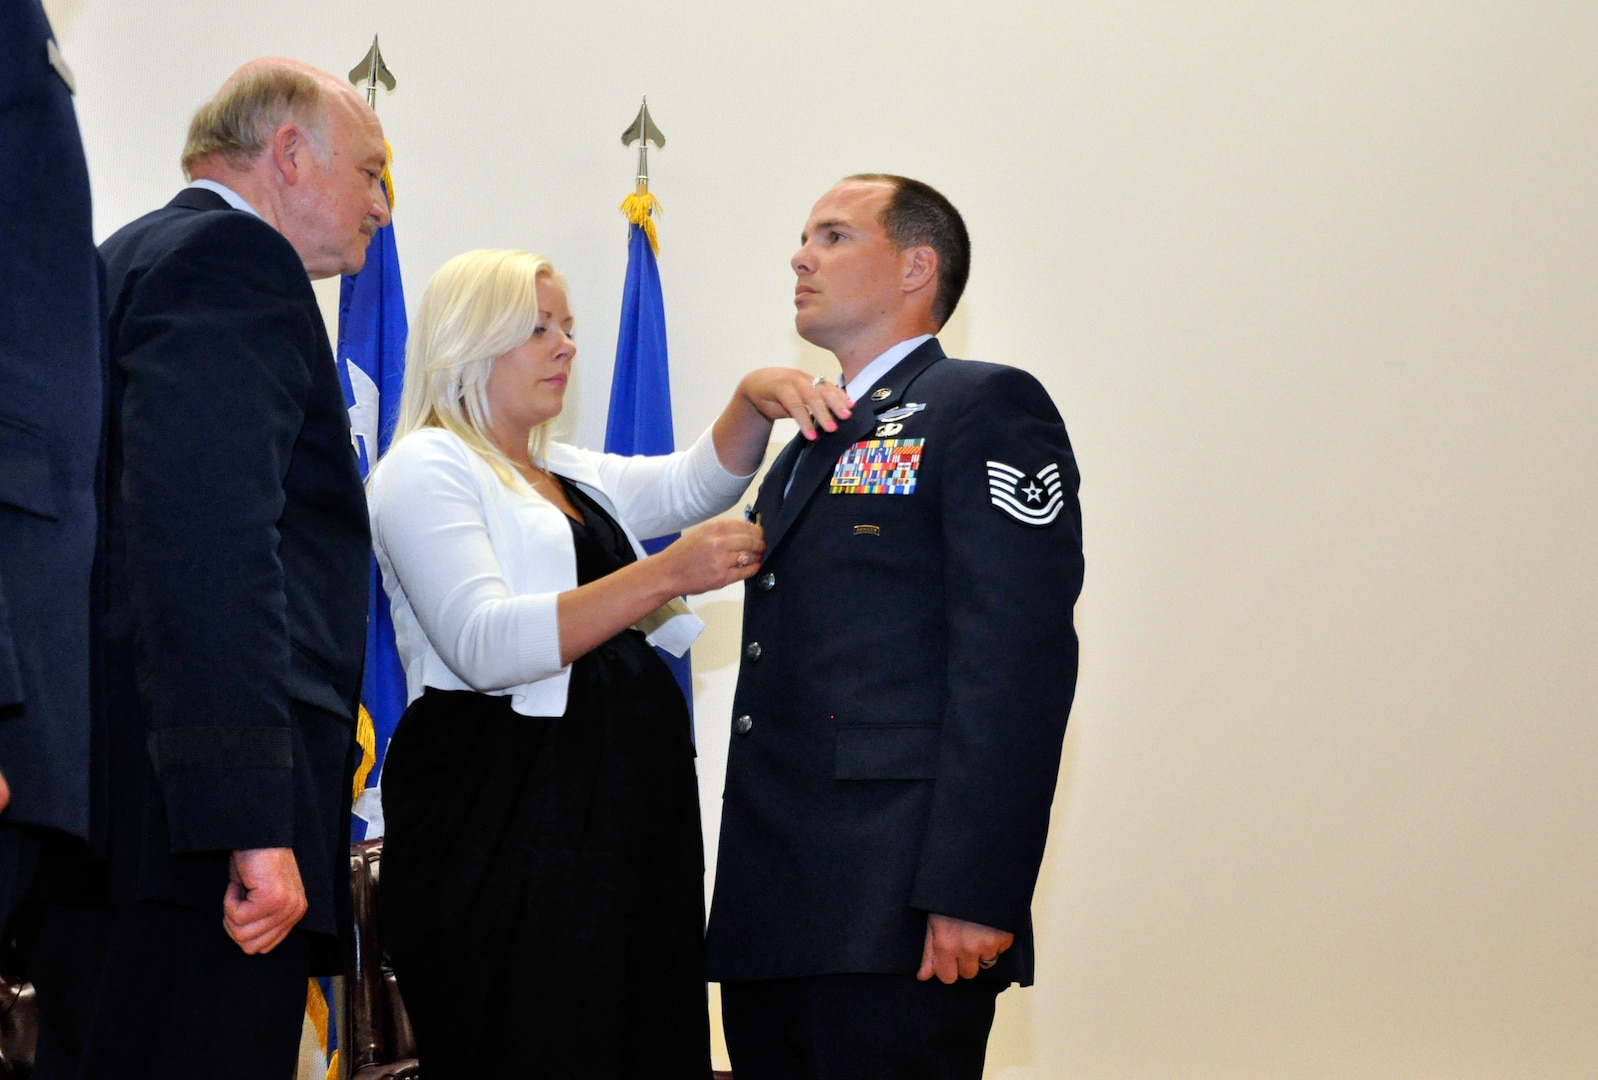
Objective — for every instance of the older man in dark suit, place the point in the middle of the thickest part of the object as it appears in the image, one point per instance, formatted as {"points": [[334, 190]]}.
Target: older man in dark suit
{"points": [[50, 421], [236, 579], [908, 666]]}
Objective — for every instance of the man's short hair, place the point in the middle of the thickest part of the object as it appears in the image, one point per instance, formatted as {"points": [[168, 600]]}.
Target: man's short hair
{"points": [[238, 122], [918, 214]]}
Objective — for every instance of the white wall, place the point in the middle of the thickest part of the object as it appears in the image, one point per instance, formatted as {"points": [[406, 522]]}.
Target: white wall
{"points": [[1314, 286]]}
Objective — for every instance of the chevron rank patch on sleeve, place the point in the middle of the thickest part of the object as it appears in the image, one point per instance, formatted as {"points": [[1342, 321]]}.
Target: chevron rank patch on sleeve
{"points": [[1030, 498]]}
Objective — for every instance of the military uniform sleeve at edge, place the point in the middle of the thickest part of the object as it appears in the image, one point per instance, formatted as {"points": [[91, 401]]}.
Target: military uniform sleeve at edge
{"points": [[214, 346], [1011, 587]]}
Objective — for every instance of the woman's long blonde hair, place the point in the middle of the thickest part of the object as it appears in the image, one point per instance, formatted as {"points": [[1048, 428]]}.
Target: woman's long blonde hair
{"points": [[478, 306]]}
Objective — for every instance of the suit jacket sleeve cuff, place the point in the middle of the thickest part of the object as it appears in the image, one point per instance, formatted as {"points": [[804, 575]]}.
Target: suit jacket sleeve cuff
{"points": [[225, 788]]}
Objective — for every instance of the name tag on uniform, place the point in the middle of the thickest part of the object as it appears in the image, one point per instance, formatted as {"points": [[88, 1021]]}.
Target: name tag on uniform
{"points": [[878, 467]]}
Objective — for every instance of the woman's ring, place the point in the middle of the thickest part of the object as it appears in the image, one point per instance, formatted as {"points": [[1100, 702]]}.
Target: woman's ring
{"points": [[743, 558], [987, 961], [818, 380]]}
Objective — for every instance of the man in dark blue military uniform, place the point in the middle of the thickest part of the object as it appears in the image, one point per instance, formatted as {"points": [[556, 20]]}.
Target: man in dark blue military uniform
{"points": [[51, 409], [908, 666]]}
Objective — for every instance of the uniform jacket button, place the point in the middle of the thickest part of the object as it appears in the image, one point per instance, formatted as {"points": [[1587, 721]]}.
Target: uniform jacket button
{"points": [[766, 582], [752, 651], [743, 724]]}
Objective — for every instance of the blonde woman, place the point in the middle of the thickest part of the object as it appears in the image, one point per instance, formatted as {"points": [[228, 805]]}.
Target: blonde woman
{"points": [[543, 869]]}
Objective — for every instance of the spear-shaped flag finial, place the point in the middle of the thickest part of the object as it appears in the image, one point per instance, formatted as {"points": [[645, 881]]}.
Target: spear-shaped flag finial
{"points": [[365, 76], [643, 132], [371, 71]]}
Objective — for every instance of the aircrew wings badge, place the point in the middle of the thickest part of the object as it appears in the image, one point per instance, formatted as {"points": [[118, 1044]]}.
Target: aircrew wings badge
{"points": [[1030, 498]]}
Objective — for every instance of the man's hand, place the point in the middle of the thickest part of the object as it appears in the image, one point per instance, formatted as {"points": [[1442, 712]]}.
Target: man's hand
{"points": [[955, 948], [264, 898], [5, 792]]}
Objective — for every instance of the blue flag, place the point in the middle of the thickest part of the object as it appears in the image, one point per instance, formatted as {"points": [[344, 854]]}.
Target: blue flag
{"points": [[640, 389], [371, 365]]}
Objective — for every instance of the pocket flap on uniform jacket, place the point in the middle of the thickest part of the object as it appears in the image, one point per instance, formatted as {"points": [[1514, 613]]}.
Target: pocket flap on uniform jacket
{"points": [[887, 753], [25, 479]]}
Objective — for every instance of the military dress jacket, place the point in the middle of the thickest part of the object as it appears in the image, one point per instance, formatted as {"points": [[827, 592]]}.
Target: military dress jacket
{"points": [[51, 415], [909, 660]]}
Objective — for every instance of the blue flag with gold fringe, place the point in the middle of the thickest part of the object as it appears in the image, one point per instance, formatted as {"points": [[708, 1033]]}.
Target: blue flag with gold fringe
{"points": [[371, 362], [371, 366], [639, 421]]}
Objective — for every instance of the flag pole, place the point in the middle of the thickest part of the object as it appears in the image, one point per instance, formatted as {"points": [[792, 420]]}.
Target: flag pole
{"points": [[369, 357], [639, 421]]}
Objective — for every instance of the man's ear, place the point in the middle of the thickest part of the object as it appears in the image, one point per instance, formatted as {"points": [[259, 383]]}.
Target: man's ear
{"points": [[289, 150], [920, 268]]}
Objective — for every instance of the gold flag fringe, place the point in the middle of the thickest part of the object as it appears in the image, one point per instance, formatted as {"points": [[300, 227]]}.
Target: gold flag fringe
{"points": [[641, 208], [388, 175], [366, 737]]}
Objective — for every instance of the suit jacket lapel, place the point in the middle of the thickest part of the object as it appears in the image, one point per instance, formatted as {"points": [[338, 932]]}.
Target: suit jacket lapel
{"points": [[768, 503], [816, 466]]}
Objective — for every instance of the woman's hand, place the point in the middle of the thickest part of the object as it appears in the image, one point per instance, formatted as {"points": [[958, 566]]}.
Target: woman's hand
{"points": [[714, 554], [704, 558], [778, 393], [766, 395]]}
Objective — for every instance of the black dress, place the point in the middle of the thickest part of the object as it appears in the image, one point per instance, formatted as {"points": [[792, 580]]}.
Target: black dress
{"points": [[543, 877]]}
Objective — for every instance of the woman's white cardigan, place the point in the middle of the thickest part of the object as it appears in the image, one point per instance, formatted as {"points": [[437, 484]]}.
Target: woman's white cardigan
{"points": [[472, 566]]}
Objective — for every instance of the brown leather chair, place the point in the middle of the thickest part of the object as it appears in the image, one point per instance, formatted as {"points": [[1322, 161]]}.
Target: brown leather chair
{"points": [[19, 1028], [381, 1043]]}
